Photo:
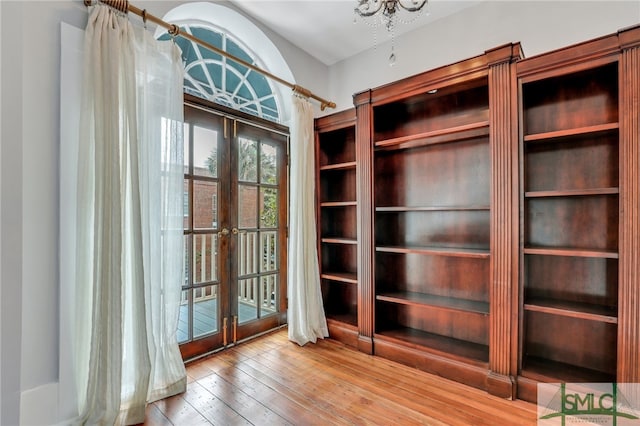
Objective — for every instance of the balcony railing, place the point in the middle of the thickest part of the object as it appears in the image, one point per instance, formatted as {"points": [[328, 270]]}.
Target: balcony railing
{"points": [[257, 279]]}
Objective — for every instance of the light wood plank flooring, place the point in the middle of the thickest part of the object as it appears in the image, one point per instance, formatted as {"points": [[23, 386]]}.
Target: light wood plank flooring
{"points": [[271, 381]]}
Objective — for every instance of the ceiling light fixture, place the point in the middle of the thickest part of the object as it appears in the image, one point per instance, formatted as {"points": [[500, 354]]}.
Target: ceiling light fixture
{"points": [[387, 11]]}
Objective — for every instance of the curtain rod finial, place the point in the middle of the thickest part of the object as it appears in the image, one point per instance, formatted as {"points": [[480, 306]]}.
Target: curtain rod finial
{"points": [[326, 105]]}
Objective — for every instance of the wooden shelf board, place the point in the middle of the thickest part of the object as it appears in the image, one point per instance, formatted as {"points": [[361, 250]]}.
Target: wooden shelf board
{"points": [[339, 323], [339, 241], [433, 301], [339, 166], [571, 132], [350, 319], [544, 370], [572, 192], [573, 310], [344, 277], [452, 134], [560, 251], [338, 203], [472, 353], [431, 208], [438, 251]]}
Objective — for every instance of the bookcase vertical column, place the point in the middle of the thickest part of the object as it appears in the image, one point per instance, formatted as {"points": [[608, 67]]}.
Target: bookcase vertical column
{"points": [[629, 268], [504, 216], [364, 183]]}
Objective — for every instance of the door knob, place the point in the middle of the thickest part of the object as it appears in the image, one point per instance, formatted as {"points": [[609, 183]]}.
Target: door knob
{"points": [[223, 232], [236, 231]]}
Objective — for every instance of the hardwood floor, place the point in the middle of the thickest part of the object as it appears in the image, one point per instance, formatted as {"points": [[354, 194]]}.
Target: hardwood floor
{"points": [[271, 381]]}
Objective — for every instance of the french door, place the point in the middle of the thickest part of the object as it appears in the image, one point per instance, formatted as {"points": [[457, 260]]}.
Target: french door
{"points": [[235, 221]]}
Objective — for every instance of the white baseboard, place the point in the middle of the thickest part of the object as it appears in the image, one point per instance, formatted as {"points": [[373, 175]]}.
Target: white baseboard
{"points": [[39, 406]]}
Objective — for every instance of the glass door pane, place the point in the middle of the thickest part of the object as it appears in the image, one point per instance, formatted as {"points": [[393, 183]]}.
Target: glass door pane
{"points": [[259, 229], [205, 290]]}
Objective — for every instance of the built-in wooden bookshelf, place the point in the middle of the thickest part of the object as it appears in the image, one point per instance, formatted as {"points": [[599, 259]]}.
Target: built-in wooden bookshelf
{"points": [[570, 219], [430, 155], [432, 219], [570, 156], [337, 220], [481, 220]]}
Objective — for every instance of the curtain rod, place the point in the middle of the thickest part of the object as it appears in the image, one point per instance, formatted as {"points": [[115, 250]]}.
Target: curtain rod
{"points": [[124, 6]]}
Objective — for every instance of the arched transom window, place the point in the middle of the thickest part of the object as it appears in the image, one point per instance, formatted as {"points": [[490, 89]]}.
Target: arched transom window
{"points": [[211, 76]]}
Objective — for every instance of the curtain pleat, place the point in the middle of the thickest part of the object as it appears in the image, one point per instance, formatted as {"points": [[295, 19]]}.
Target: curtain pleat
{"points": [[306, 316], [129, 238]]}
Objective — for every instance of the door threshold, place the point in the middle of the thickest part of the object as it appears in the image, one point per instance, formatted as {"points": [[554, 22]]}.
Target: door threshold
{"points": [[231, 345]]}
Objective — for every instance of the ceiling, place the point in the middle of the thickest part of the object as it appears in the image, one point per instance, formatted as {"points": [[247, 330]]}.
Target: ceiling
{"points": [[325, 28]]}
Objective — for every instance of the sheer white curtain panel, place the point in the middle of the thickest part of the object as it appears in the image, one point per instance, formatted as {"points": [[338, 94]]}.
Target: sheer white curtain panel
{"points": [[129, 247], [306, 316]]}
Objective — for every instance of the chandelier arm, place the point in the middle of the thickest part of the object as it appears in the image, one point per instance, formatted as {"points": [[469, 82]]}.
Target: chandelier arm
{"points": [[387, 11], [365, 12], [412, 8]]}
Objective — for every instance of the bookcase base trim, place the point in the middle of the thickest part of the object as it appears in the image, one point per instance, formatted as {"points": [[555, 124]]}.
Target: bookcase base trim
{"points": [[527, 389], [365, 344], [343, 333], [431, 363], [500, 385]]}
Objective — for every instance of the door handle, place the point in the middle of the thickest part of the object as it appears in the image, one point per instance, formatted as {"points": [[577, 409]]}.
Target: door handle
{"points": [[236, 231], [224, 232]]}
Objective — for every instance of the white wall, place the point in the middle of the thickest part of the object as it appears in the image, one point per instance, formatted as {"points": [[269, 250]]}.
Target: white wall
{"points": [[540, 26], [11, 209], [30, 51], [1, 222]]}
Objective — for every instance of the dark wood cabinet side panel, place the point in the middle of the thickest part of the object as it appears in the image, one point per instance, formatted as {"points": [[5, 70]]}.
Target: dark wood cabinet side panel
{"points": [[456, 277], [588, 161], [581, 99], [586, 280], [453, 174], [589, 222], [582, 343]]}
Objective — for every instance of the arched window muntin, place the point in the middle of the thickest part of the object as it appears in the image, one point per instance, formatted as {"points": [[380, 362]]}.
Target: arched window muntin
{"points": [[214, 77]]}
